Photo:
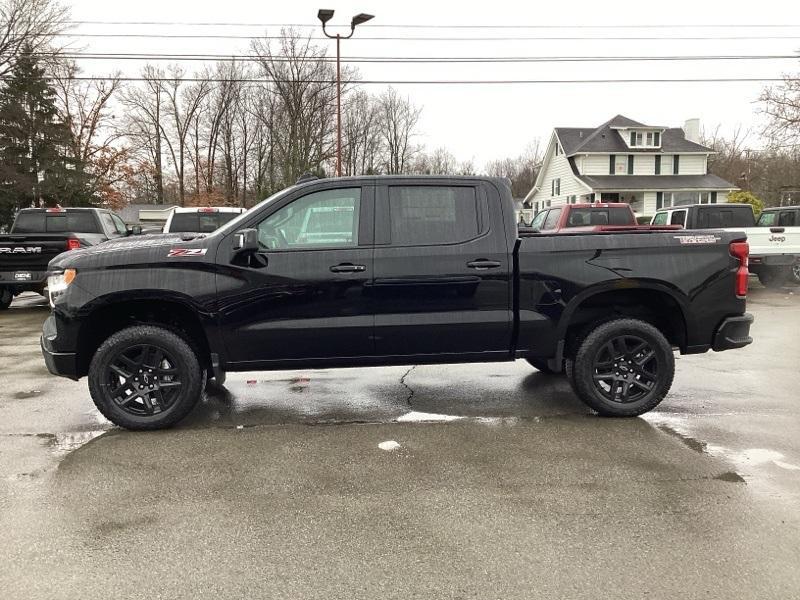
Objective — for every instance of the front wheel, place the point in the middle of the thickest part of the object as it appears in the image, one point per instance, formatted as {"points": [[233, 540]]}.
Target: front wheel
{"points": [[5, 298], [623, 368], [145, 377]]}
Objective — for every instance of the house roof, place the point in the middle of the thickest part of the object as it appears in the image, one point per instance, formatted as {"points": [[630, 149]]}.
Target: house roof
{"points": [[576, 140], [655, 182]]}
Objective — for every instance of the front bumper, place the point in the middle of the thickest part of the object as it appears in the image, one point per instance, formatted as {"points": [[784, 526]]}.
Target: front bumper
{"points": [[63, 364], [734, 332]]}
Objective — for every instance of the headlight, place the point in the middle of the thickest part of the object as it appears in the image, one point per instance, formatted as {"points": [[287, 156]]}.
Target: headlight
{"points": [[57, 284]]}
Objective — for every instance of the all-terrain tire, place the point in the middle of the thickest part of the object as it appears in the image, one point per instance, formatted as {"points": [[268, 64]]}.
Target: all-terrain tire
{"points": [[182, 364], [795, 275], [623, 368]]}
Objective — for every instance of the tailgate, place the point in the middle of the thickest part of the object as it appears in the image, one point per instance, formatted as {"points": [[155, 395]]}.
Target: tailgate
{"points": [[765, 241], [29, 252]]}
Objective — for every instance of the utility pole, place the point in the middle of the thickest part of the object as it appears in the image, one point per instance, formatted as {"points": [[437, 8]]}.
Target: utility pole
{"points": [[324, 16]]}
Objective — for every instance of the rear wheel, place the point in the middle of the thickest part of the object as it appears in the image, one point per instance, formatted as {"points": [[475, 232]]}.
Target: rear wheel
{"points": [[5, 298], [145, 377], [623, 368], [774, 277], [795, 277]]}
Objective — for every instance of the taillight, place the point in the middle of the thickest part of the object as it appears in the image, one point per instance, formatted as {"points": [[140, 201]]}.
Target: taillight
{"points": [[73, 244], [741, 251]]}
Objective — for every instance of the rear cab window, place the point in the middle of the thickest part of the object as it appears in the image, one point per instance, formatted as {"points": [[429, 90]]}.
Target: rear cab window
{"points": [[62, 222], [199, 222], [584, 217]]}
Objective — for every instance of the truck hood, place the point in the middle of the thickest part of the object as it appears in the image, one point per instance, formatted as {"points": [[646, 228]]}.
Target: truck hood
{"points": [[145, 249]]}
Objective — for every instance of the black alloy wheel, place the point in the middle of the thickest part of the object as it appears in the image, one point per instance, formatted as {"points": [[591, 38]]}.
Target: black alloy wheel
{"points": [[146, 377], [625, 369], [143, 380]]}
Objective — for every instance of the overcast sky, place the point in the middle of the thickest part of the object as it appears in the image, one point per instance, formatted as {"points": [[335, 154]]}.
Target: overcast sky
{"points": [[483, 122]]}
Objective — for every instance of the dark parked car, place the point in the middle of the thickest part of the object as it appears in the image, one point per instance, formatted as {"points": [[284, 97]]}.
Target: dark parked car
{"points": [[39, 234], [386, 271]]}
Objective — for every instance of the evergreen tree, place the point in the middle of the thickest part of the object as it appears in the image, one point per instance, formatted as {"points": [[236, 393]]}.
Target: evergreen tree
{"points": [[35, 165]]}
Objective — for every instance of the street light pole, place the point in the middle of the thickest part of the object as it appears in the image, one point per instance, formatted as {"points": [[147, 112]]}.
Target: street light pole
{"points": [[324, 16]]}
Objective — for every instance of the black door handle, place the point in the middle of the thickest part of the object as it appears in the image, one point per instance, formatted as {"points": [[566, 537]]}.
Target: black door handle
{"points": [[482, 264], [348, 268]]}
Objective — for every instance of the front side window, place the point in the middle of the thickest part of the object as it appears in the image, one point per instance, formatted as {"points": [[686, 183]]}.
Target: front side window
{"points": [[539, 220], [660, 218], [552, 219], [425, 215], [122, 229], [328, 219]]}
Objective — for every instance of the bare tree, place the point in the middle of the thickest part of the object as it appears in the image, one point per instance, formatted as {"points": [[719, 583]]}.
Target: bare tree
{"points": [[144, 111], [521, 170], [304, 91], [362, 144], [182, 103], [781, 105], [32, 24], [95, 139], [398, 119]]}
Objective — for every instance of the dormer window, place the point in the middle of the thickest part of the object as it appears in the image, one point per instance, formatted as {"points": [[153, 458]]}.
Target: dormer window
{"points": [[644, 139]]}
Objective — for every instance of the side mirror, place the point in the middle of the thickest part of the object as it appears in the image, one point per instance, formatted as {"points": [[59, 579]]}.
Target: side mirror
{"points": [[245, 240], [135, 230]]}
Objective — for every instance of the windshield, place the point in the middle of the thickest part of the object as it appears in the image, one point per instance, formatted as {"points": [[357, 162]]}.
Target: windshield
{"points": [[235, 224]]}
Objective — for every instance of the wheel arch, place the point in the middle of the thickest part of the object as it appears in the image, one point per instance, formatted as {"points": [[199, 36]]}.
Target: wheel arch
{"points": [[651, 301], [112, 313]]}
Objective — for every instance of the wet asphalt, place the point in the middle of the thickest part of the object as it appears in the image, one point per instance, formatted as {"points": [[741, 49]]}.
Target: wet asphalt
{"points": [[463, 481]]}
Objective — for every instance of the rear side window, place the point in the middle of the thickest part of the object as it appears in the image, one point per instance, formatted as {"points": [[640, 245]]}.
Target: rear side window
{"points": [[424, 215], [678, 218], [724, 217], [552, 219], [65, 222]]}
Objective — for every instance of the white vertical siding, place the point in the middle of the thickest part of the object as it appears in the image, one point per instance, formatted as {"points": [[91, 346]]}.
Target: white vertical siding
{"points": [[595, 164], [557, 166], [692, 164], [644, 164]]}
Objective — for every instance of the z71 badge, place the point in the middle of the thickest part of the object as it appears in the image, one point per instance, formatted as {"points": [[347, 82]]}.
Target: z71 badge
{"points": [[182, 252]]}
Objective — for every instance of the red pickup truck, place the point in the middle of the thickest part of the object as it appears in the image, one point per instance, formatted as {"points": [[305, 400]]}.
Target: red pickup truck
{"points": [[574, 218]]}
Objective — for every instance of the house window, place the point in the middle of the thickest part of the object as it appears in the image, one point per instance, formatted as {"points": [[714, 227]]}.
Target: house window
{"points": [[633, 138], [658, 165], [676, 163], [659, 201], [649, 138], [639, 138], [667, 199], [612, 161], [656, 139], [630, 164], [558, 187]]}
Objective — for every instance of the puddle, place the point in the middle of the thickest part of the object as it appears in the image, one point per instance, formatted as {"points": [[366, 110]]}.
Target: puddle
{"points": [[64, 443]]}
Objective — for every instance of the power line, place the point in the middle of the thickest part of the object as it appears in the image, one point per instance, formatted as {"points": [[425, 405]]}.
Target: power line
{"points": [[431, 39], [424, 60], [448, 26], [425, 81]]}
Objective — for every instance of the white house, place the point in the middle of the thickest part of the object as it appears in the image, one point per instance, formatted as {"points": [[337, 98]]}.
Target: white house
{"points": [[625, 161]]}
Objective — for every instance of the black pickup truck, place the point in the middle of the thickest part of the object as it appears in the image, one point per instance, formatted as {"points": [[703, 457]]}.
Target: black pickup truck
{"points": [[39, 234], [386, 271]]}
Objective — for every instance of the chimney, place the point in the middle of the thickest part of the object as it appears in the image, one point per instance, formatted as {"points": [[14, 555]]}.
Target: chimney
{"points": [[691, 130]]}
